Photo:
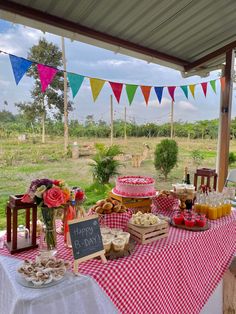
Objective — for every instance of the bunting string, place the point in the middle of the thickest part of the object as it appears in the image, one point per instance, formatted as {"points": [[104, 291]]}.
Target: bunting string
{"points": [[47, 74]]}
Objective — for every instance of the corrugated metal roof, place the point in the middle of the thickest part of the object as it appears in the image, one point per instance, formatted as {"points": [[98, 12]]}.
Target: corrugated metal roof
{"points": [[186, 29]]}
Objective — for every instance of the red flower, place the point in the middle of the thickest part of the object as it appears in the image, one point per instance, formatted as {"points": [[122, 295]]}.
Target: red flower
{"points": [[53, 197], [56, 182], [26, 199], [79, 196]]}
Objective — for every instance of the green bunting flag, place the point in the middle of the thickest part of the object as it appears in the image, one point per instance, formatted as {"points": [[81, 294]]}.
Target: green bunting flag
{"points": [[213, 85], [131, 90], [185, 90], [75, 81]]}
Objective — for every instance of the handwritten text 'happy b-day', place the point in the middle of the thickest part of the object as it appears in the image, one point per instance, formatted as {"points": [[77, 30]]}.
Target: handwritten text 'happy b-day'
{"points": [[85, 237]]}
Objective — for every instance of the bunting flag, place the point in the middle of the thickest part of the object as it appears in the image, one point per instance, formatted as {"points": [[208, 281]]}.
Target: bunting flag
{"points": [[131, 90], [75, 81], [19, 67], [146, 92], [192, 89], [222, 82], [159, 92], [171, 90], [46, 75], [204, 88], [96, 86], [213, 85], [185, 90], [117, 89]]}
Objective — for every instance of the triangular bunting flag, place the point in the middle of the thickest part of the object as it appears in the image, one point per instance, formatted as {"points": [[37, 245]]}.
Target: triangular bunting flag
{"points": [[130, 90], [192, 89], [75, 81], [213, 85], [204, 88], [159, 92], [19, 67], [146, 92], [222, 82], [96, 86], [171, 90], [117, 89], [46, 75], [185, 90]]}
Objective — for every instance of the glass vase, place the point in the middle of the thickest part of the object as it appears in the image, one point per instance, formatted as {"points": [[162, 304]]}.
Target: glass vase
{"points": [[48, 238]]}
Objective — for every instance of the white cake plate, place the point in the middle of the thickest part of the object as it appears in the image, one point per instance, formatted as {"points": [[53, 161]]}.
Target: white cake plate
{"points": [[130, 196]]}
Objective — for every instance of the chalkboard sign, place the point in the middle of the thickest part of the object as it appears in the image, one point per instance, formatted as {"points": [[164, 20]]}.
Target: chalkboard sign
{"points": [[86, 238]]}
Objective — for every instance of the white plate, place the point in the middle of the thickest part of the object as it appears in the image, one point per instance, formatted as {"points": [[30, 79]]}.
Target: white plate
{"points": [[29, 284], [130, 196]]}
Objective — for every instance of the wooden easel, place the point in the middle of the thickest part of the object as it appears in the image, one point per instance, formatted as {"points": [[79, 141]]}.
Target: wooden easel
{"points": [[100, 253]]}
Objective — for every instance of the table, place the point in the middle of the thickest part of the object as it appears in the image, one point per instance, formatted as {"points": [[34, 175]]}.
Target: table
{"points": [[172, 275], [72, 296]]}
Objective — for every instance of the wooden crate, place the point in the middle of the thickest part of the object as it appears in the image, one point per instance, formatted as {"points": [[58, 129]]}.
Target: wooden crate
{"points": [[142, 204], [149, 234]]}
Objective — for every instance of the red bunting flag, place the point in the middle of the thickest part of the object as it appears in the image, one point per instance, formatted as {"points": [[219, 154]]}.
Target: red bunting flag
{"points": [[146, 92], [222, 82], [117, 89], [204, 88], [171, 90], [46, 75]]}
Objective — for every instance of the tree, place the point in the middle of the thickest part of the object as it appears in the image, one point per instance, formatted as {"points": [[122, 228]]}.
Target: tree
{"points": [[166, 154], [53, 99]]}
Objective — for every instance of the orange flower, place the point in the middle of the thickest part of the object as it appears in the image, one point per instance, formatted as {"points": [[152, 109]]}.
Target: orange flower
{"points": [[66, 193]]}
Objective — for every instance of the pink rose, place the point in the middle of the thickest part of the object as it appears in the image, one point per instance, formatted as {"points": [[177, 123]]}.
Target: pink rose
{"points": [[54, 197], [26, 199]]}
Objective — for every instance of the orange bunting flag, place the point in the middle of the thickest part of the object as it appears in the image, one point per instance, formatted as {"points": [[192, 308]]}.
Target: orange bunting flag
{"points": [[96, 86], [117, 89], [204, 88], [146, 92], [192, 89], [222, 82]]}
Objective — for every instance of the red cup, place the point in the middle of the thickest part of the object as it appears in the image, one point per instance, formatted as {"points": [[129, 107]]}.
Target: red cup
{"points": [[201, 220], [178, 219], [189, 222]]}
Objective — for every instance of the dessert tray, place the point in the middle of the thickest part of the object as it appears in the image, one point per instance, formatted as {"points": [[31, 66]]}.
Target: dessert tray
{"points": [[42, 273], [194, 228]]}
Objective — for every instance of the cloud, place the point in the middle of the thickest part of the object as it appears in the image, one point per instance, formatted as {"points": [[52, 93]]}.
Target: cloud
{"points": [[186, 105]]}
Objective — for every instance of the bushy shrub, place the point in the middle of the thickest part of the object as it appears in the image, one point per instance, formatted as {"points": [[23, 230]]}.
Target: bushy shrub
{"points": [[105, 166], [197, 157], [232, 158], [166, 155]]}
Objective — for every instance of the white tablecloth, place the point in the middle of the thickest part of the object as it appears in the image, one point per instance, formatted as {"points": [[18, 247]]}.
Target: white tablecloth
{"points": [[74, 295]]}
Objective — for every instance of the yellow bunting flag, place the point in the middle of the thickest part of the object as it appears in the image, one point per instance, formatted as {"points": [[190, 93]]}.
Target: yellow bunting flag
{"points": [[96, 86], [192, 89]]}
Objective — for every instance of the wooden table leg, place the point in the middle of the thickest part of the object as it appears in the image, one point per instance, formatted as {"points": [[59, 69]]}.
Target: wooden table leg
{"points": [[8, 210], [27, 219], [14, 230]]}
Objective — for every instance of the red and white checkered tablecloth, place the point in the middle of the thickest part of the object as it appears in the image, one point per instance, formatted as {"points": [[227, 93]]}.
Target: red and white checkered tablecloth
{"points": [[172, 275]]}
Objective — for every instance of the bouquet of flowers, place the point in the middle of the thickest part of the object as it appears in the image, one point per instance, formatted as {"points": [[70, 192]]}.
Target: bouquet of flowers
{"points": [[49, 195]]}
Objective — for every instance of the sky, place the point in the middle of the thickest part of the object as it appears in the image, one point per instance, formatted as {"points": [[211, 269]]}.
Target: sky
{"points": [[96, 62]]}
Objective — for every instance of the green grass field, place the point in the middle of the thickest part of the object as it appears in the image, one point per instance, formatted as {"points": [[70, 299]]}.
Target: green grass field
{"points": [[20, 163]]}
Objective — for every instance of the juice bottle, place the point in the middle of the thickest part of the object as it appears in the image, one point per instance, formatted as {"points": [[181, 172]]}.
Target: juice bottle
{"points": [[219, 211], [212, 212], [228, 208], [197, 207]]}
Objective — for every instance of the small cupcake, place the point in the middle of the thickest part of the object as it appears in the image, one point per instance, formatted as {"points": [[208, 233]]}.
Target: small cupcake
{"points": [[116, 231], [125, 236], [108, 236], [105, 230], [106, 244], [118, 244]]}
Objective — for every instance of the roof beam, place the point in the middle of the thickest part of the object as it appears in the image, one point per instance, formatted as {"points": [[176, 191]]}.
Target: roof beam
{"points": [[46, 18], [200, 62]]}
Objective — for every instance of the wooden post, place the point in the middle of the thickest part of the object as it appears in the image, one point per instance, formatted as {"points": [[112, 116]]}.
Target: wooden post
{"points": [[66, 133], [111, 119], [224, 121], [172, 119], [125, 132], [43, 120]]}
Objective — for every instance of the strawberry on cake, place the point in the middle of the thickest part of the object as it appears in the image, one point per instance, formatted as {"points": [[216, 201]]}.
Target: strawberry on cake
{"points": [[135, 186]]}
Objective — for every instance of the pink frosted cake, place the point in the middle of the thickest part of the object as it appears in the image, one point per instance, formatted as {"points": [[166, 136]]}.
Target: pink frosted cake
{"points": [[135, 186]]}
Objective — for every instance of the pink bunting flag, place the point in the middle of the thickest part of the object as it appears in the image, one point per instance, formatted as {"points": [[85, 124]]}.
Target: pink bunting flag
{"points": [[204, 88], [117, 89], [171, 90], [46, 75]]}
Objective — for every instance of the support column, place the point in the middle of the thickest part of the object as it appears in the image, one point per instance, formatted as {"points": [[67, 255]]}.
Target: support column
{"points": [[224, 121]]}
